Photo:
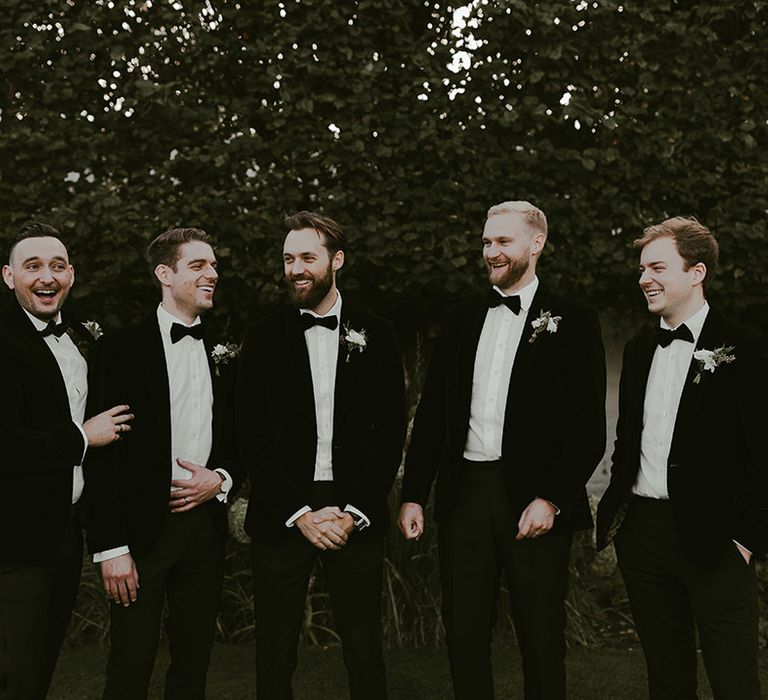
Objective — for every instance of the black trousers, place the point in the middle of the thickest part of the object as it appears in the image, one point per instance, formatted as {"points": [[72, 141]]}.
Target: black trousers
{"points": [[35, 607], [281, 572], [670, 598], [186, 568], [476, 543]]}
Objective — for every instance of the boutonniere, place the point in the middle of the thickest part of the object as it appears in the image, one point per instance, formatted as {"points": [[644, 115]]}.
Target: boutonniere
{"points": [[222, 354], [710, 360], [353, 340], [545, 322], [93, 328]]}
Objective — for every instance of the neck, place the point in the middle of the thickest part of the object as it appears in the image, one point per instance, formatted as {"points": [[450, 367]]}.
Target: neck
{"points": [[679, 316], [327, 303], [182, 314], [522, 283]]}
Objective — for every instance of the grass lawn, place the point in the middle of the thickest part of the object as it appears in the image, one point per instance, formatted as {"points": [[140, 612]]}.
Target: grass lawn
{"points": [[413, 674]]}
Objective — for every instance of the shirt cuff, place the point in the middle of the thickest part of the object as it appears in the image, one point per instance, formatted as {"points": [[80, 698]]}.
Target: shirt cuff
{"points": [[226, 485], [85, 440], [290, 522], [557, 510], [361, 521], [110, 554], [743, 547]]}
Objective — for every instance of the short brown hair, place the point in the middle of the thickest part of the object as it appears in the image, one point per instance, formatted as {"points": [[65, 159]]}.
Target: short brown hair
{"points": [[532, 215], [694, 242], [165, 248], [331, 234], [34, 229]]}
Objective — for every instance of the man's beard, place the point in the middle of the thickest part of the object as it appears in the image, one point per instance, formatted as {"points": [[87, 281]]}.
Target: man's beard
{"points": [[514, 273], [315, 292]]}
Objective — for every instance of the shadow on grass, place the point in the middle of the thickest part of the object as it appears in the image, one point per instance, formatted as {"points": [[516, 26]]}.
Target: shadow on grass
{"points": [[413, 674]]}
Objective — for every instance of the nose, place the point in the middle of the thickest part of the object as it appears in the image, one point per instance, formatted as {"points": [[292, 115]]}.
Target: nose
{"points": [[297, 268], [211, 273], [645, 278], [46, 276]]}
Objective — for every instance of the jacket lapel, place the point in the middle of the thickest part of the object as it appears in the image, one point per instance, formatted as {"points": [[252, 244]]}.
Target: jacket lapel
{"points": [[465, 359], [691, 400], [298, 359], [344, 370], [156, 370]]}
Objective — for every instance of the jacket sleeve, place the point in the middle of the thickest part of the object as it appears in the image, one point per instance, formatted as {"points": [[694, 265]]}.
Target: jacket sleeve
{"points": [[429, 431], [583, 438], [105, 521], [388, 427]]}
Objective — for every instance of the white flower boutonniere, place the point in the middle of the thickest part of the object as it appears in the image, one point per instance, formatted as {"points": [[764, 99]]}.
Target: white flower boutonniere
{"points": [[353, 340], [222, 354], [93, 328], [545, 322], [710, 360]]}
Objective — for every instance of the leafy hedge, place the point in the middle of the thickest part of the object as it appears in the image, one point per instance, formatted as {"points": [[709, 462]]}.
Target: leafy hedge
{"points": [[122, 117]]}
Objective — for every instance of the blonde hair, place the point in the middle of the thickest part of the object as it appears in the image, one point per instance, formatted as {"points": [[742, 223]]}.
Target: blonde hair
{"points": [[533, 216]]}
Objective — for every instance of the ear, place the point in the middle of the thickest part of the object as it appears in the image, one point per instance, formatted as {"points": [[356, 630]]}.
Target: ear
{"points": [[72, 272], [163, 274], [537, 243], [699, 271], [8, 276], [338, 260]]}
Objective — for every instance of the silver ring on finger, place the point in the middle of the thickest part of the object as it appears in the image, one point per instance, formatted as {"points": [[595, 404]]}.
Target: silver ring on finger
{"points": [[186, 500]]}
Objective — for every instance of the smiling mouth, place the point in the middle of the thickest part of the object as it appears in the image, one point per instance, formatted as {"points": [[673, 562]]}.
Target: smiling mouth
{"points": [[653, 293], [46, 294], [207, 288]]}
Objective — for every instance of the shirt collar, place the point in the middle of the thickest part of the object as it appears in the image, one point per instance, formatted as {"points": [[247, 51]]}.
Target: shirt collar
{"points": [[335, 310], [38, 322], [526, 294], [166, 319], [695, 323]]}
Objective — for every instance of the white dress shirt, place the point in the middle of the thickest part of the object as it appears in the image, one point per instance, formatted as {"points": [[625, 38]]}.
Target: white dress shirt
{"points": [[191, 398], [74, 371], [666, 380], [323, 351], [494, 359]]}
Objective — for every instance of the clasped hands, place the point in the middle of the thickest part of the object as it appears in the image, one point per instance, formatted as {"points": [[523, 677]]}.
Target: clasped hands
{"points": [[326, 528]]}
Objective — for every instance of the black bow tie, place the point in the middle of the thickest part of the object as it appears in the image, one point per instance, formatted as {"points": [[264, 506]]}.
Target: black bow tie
{"points": [[512, 303], [329, 322], [53, 328], [664, 337], [178, 331]]}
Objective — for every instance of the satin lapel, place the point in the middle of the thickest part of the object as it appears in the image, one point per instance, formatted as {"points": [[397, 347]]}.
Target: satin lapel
{"points": [[522, 369], [296, 349], [469, 337], [155, 371], [691, 400], [637, 378], [344, 370], [18, 321]]}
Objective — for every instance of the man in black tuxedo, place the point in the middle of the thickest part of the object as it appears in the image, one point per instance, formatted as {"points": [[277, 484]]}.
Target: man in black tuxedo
{"points": [[157, 519], [512, 422], [43, 374], [321, 416], [688, 498]]}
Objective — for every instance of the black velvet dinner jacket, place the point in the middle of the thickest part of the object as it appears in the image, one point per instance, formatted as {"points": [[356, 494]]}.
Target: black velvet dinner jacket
{"points": [[277, 432], [128, 482], [717, 471], [41, 445], [554, 423]]}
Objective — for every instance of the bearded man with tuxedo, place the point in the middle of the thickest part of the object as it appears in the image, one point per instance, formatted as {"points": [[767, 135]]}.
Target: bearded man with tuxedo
{"points": [[321, 416], [511, 423], [43, 372]]}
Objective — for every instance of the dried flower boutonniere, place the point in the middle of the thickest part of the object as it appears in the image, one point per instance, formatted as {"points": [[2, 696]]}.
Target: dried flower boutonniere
{"points": [[710, 360], [545, 322]]}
